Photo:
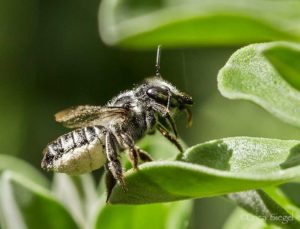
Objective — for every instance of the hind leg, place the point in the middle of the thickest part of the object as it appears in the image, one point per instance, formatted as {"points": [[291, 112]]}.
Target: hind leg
{"points": [[110, 182], [114, 165]]}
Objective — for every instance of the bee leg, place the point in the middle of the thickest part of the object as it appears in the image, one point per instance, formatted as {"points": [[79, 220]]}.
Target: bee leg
{"points": [[133, 156], [144, 156], [110, 182], [114, 165], [166, 114], [132, 150], [172, 123], [171, 138]]}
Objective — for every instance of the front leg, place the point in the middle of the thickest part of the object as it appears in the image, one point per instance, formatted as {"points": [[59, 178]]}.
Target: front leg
{"points": [[164, 112], [171, 138]]}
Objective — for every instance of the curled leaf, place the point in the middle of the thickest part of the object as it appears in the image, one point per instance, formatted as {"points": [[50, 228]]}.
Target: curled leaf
{"points": [[260, 73]]}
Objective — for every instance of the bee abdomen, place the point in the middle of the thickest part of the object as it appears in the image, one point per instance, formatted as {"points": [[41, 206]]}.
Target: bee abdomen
{"points": [[76, 152]]}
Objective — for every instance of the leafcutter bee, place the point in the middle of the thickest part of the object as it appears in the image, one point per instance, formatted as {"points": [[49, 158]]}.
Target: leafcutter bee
{"points": [[102, 132]]}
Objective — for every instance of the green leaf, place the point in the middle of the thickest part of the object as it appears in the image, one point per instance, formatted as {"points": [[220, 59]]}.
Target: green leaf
{"points": [[272, 206], [285, 59], [21, 167], [78, 194], [144, 24], [160, 216], [213, 168], [257, 73], [25, 204]]}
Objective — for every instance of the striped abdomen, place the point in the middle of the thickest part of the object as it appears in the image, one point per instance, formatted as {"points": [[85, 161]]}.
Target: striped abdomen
{"points": [[76, 152]]}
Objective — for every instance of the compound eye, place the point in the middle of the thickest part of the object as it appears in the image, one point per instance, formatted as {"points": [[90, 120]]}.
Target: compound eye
{"points": [[159, 94]]}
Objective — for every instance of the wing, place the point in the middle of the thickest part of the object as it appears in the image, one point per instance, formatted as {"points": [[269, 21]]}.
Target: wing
{"points": [[82, 116]]}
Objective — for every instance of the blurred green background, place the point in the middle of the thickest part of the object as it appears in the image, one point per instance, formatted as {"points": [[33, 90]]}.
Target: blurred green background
{"points": [[51, 57]]}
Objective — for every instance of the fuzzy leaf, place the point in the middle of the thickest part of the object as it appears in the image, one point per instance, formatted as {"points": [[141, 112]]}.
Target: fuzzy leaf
{"points": [[144, 24], [25, 204], [264, 74], [272, 206], [213, 168]]}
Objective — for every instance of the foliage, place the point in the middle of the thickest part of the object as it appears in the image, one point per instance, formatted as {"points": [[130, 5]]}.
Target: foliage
{"points": [[247, 170], [213, 168], [218, 22], [266, 74]]}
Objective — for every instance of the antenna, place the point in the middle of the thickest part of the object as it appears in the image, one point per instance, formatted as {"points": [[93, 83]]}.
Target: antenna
{"points": [[157, 65]]}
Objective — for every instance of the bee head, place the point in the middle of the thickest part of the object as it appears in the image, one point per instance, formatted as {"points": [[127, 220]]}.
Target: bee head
{"points": [[166, 94]]}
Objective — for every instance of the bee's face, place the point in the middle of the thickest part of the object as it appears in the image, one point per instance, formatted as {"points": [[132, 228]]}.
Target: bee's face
{"points": [[162, 92]]}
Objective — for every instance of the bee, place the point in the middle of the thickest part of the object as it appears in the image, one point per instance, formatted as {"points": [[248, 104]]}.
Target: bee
{"points": [[102, 132]]}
